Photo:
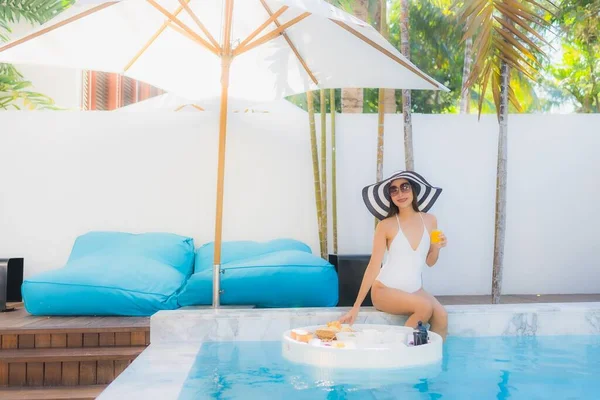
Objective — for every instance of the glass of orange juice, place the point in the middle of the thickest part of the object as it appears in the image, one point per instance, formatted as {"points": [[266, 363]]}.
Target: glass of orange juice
{"points": [[436, 236]]}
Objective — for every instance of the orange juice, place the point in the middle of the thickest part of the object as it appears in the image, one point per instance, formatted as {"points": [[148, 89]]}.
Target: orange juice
{"points": [[436, 236]]}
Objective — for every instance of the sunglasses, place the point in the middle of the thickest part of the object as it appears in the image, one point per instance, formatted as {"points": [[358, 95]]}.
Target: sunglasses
{"points": [[404, 188]]}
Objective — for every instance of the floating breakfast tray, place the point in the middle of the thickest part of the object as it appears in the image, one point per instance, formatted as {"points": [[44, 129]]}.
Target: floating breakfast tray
{"points": [[366, 346]]}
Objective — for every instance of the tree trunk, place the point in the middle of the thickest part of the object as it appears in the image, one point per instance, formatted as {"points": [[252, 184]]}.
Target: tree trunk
{"points": [[389, 95], [389, 101], [501, 175], [465, 97], [406, 98], [315, 158], [381, 104], [324, 171], [383, 100], [333, 171], [353, 98]]}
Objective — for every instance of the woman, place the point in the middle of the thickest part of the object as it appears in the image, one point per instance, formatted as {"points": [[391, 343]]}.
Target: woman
{"points": [[396, 287]]}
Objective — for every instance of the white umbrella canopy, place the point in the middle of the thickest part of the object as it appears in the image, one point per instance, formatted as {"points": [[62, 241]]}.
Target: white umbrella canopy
{"points": [[181, 56], [172, 102], [247, 51]]}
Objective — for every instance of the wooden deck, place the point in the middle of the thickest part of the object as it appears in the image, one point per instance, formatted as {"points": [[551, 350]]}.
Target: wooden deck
{"points": [[55, 393], [521, 298], [65, 357], [21, 322]]}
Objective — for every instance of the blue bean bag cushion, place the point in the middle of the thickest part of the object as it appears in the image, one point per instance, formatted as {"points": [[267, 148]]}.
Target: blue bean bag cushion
{"points": [[114, 273], [241, 249], [282, 273]]}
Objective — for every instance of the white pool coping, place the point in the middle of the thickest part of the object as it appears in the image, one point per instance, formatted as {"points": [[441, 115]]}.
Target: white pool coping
{"points": [[176, 336], [231, 324]]}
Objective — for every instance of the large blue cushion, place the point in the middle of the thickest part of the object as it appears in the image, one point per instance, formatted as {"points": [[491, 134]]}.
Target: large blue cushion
{"points": [[114, 273], [240, 249], [284, 278]]}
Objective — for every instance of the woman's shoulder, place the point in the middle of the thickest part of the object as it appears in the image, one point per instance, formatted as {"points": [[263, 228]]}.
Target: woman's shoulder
{"points": [[387, 223]]}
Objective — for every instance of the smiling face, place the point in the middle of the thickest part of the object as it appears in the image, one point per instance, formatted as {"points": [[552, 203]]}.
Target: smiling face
{"points": [[401, 193]]}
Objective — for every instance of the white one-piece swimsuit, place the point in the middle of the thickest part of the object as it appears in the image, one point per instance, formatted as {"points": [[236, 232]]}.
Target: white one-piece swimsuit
{"points": [[403, 267]]}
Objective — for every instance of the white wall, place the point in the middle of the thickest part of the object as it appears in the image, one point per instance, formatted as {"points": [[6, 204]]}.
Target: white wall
{"points": [[553, 196], [63, 174], [454, 152]]}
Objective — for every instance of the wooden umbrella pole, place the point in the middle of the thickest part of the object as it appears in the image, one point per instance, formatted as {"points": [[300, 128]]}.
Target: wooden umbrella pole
{"points": [[226, 58]]}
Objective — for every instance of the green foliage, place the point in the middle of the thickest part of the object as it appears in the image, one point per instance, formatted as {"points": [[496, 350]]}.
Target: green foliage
{"points": [[33, 11], [436, 48], [15, 93], [14, 89], [577, 75]]}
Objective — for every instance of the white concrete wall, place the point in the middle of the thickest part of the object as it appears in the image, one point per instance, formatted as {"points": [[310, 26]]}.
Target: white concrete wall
{"points": [[63, 174]]}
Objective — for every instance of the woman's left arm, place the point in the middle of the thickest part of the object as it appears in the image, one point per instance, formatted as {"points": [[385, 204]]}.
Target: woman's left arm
{"points": [[434, 248]]}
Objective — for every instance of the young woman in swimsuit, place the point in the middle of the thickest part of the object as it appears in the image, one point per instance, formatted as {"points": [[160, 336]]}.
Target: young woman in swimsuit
{"points": [[396, 287]]}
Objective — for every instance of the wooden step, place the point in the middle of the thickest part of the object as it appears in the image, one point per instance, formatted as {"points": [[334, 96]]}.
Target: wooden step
{"points": [[64, 366], [70, 354], [45, 339], [70, 393], [20, 322], [67, 351]]}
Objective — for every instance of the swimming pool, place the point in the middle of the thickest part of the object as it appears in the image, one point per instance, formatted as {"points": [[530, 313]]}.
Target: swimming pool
{"points": [[542, 367]]}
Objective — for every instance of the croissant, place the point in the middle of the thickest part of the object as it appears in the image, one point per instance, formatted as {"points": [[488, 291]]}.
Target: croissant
{"points": [[325, 334]]}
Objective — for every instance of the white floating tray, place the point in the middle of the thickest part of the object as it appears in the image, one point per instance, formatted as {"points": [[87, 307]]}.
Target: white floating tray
{"points": [[370, 346]]}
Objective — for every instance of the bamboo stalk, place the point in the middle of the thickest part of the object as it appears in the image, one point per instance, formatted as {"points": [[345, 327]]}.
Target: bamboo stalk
{"points": [[333, 171], [324, 170], [380, 132], [315, 159]]}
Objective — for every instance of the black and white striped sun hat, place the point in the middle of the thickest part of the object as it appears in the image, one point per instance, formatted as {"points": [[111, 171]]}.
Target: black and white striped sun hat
{"points": [[377, 196]]}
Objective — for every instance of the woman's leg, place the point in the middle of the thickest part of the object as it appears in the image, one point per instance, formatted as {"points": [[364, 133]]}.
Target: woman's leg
{"points": [[439, 318], [398, 302]]}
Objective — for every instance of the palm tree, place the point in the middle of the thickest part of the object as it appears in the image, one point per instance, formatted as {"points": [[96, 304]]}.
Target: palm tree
{"points": [[14, 89], [409, 158], [506, 44], [352, 98], [465, 95], [383, 105]]}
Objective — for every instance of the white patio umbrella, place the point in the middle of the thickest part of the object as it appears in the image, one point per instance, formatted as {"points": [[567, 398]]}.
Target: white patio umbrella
{"points": [[172, 102], [247, 50]]}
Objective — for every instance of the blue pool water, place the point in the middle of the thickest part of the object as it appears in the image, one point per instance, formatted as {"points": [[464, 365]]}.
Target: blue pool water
{"points": [[563, 367]]}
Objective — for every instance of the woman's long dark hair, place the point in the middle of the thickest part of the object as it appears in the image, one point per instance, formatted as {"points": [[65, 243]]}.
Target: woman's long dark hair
{"points": [[394, 208]]}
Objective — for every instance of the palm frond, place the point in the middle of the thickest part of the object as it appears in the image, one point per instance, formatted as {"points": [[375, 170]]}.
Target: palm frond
{"points": [[15, 91], [504, 31], [33, 11]]}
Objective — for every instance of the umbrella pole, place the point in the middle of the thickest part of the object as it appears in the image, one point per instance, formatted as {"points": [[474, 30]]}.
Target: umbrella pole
{"points": [[226, 61], [226, 57]]}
